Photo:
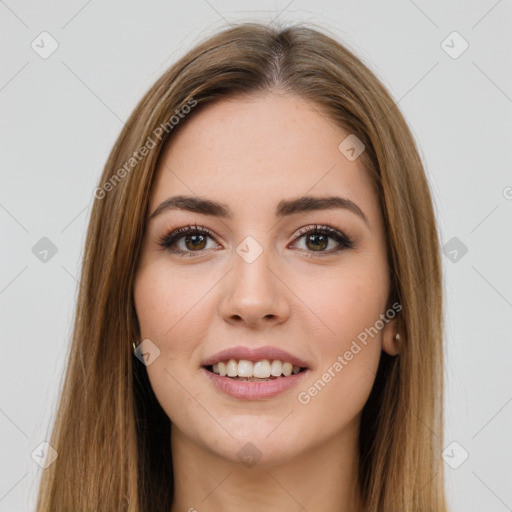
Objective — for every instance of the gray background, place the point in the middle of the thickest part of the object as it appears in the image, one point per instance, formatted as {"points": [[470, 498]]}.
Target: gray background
{"points": [[61, 115]]}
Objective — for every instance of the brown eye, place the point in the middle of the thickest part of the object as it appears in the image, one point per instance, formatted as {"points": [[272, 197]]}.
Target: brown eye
{"points": [[317, 239], [194, 240]]}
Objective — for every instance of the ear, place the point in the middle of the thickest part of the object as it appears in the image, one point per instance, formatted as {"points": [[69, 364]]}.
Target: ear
{"points": [[390, 344]]}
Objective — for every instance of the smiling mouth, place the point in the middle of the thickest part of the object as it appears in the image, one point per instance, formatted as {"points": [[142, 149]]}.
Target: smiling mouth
{"points": [[258, 371]]}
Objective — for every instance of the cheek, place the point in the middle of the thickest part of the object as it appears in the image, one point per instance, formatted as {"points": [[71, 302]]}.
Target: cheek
{"points": [[173, 311], [164, 301], [334, 398], [345, 303], [347, 307], [171, 316]]}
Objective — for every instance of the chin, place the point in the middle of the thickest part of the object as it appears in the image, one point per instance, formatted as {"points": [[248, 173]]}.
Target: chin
{"points": [[259, 444]]}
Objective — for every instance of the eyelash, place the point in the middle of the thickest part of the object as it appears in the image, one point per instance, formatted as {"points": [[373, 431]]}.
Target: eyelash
{"points": [[169, 239]]}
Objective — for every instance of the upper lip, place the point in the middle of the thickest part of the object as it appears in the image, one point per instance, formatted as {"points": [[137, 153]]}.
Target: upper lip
{"points": [[254, 354]]}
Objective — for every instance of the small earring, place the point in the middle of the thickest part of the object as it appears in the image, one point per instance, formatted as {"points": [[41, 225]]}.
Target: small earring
{"points": [[397, 337]]}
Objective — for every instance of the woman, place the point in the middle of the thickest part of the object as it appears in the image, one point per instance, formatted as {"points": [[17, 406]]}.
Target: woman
{"points": [[259, 322]]}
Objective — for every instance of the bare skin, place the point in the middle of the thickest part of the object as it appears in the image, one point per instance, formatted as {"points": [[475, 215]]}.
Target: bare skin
{"points": [[298, 295]]}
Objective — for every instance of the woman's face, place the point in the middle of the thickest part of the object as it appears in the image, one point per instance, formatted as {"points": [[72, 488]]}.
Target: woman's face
{"points": [[258, 280]]}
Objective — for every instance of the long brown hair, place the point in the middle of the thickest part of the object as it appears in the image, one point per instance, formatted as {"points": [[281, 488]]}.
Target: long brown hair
{"points": [[111, 434]]}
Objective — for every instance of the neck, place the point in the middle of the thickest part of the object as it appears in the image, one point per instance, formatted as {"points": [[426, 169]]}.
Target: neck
{"points": [[323, 479]]}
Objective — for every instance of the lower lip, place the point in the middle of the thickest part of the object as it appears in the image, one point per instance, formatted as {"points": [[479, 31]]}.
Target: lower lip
{"points": [[254, 390]]}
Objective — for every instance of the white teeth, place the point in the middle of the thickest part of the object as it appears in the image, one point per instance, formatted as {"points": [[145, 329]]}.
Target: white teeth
{"points": [[263, 369], [222, 369], [232, 368], [287, 369], [276, 369], [244, 368]]}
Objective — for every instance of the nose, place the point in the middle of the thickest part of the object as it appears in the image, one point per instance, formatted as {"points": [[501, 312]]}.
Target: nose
{"points": [[254, 293]]}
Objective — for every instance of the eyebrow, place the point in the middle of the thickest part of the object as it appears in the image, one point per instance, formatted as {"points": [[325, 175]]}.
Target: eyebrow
{"points": [[284, 208]]}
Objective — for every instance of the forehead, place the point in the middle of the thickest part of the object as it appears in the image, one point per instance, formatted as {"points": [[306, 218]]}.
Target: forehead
{"points": [[253, 152]]}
